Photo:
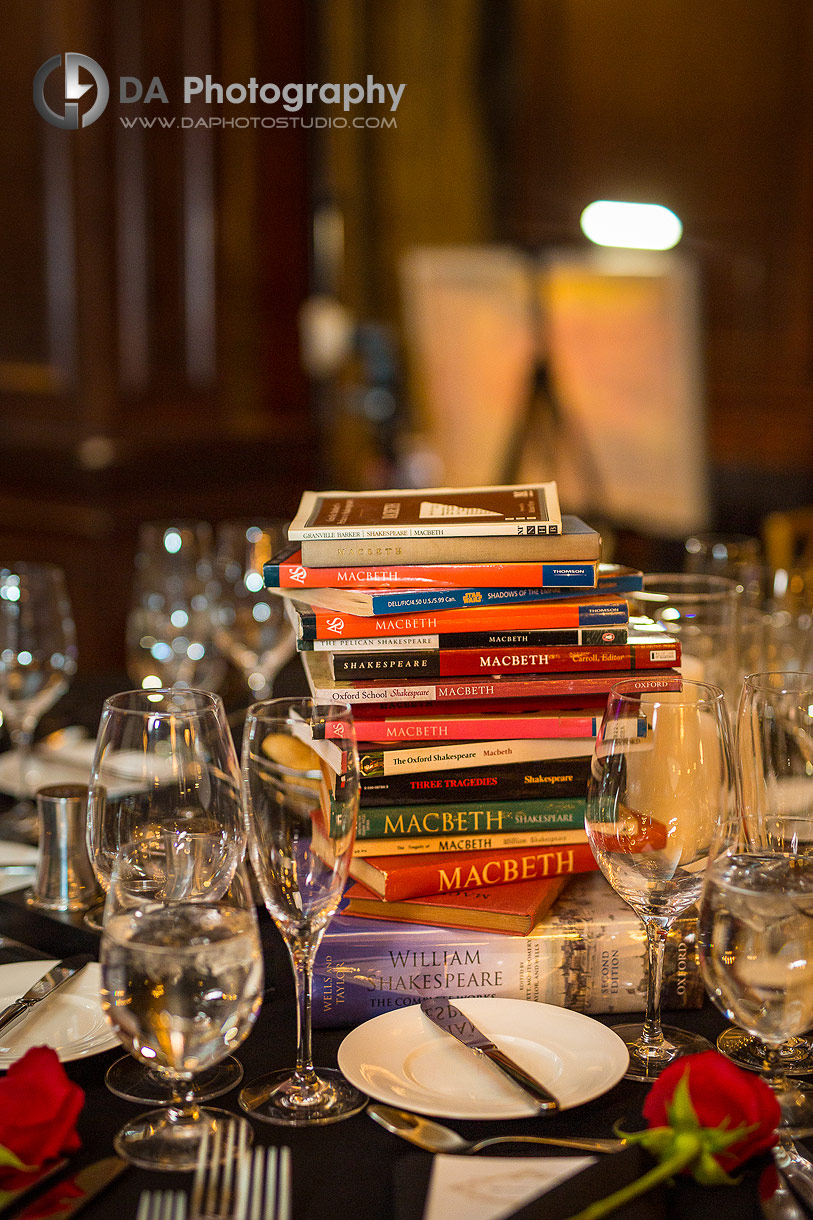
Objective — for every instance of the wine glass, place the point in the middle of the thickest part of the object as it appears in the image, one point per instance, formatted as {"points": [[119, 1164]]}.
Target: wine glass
{"points": [[301, 793], [252, 630], [171, 624], [775, 754], [37, 664], [164, 760], [661, 778], [182, 980]]}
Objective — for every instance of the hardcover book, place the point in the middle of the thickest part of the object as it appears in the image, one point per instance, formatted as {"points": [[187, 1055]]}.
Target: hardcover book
{"points": [[469, 817], [549, 778], [657, 652], [576, 543], [403, 876], [313, 624], [428, 512], [587, 954], [514, 908], [497, 687]]}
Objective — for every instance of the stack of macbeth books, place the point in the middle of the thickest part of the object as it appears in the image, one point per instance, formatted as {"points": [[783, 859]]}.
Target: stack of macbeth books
{"points": [[475, 634]]}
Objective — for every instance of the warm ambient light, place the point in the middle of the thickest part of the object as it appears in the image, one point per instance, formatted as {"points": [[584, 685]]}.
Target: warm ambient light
{"points": [[635, 226]]}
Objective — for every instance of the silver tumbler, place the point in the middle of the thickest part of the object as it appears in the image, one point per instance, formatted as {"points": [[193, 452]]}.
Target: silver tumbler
{"points": [[64, 880]]}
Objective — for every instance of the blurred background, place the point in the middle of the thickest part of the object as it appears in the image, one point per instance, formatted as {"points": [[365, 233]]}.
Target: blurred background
{"points": [[201, 321]]}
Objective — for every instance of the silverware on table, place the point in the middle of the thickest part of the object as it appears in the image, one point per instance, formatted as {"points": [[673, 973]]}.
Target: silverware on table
{"points": [[161, 1205], [70, 1194], [447, 1017], [795, 1170], [53, 979], [231, 1183], [434, 1137], [776, 1200]]}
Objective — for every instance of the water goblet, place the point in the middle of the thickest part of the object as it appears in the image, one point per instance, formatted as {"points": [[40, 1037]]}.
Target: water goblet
{"points": [[775, 756], [661, 778], [301, 784], [182, 980], [37, 664], [164, 761]]}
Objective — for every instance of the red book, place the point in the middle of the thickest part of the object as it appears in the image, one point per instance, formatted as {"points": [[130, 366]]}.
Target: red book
{"points": [[652, 653], [515, 908], [469, 727], [396, 877]]}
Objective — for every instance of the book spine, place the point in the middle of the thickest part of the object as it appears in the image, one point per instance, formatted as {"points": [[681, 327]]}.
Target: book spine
{"points": [[286, 571], [396, 602], [400, 877], [497, 688], [424, 844], [492, 729], [519, 753], [597, 968], [568, 637], [553, 548], [552, 778], [316, 624], [458, 818], [452, 662]]}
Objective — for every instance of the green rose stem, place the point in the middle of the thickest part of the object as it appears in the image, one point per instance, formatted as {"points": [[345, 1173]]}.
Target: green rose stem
{"points": [[687, 1149]]}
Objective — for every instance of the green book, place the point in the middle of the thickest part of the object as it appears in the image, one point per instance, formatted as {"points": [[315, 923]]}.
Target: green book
{"points": [[465, 818]]}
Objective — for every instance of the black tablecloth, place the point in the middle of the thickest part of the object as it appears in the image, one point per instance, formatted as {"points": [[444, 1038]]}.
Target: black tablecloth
{"points": [[354, 1170]]}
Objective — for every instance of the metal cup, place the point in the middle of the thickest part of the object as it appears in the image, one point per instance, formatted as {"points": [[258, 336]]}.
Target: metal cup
{"points": [[64, 880]]}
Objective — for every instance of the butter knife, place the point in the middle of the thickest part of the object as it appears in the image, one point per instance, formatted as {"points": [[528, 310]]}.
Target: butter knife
{"points": [[54, 978], [447, 1017], [71, 1193]]}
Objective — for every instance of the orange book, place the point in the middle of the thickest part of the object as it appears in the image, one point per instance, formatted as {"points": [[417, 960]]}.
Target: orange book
{"points": [[514, 908]]}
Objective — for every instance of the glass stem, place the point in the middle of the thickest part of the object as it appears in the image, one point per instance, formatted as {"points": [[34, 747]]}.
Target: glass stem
{"points": [[22, 738], [774, 1068], [303, 972], [652, 1034]]}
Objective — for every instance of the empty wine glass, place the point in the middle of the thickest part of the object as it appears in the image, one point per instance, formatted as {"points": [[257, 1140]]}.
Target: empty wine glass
{"points": [[661, 778], [182, 980], [775, 755], [164, 761], [37, 664], [171, 624], [302, 794], [252, 629]]}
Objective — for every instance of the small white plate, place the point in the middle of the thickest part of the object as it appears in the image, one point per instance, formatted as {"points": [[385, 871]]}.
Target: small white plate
{"points": [[403, 1059], [71, 1020]]}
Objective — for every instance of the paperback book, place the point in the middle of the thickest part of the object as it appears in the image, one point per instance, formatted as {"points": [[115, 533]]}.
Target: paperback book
{"points": [[428, 512], [588, 954], [548, 778], [514, 908], [485, 725], [450, 843], [575, 543], [468, 818], [395, 877], [568, 637], [397, 601], [386, 761]]}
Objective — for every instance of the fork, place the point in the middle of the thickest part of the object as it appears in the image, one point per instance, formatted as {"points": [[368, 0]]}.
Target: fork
{"points": [[230, 1184], [161, 1205]]}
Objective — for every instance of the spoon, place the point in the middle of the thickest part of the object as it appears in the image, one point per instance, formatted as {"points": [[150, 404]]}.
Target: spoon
{"points": [[775, 1199], [796, 1170], [434, 1137]]}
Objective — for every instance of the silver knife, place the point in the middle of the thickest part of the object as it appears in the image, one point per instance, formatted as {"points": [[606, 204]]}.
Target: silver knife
{"points": [[444, 1014], [45, 986], [70, 1194]]}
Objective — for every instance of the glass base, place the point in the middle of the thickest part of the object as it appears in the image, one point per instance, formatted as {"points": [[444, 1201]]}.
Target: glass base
{"points": [[647, 1063], [134, 1081], [168, 1140], [281, 1098], [21, 823], [796, 1104], [795, 1055], [94, 918]]}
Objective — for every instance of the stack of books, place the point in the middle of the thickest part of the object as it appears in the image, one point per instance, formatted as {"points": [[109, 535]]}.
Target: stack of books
{"points": [[475, 634]]}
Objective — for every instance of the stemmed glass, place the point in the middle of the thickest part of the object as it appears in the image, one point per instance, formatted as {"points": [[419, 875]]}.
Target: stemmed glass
{"points": [[301, 789], [164, 761], [661, 779], [182, 980], [252, 630], [37, 661], [775, 755]]}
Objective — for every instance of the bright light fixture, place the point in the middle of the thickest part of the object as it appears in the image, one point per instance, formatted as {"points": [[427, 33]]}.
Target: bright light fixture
{"points": [[634, 226]]}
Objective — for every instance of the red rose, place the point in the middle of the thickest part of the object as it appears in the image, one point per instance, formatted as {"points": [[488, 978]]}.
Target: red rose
{"points": [[720, 1093], [39, 1107]]}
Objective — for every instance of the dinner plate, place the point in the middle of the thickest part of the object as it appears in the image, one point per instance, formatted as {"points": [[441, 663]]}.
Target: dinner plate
{"points": [[71, 1020], [403, 1059]]}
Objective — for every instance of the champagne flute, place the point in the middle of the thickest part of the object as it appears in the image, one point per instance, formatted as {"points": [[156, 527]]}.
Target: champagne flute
{"points": [[37, 664], [775, 754], [164, 761], [661, 779], [301, 784], [182, 980]]}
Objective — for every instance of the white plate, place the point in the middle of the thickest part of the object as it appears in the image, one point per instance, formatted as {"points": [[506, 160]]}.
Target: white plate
{"points": [[71, 1020], [403, 1059]]}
